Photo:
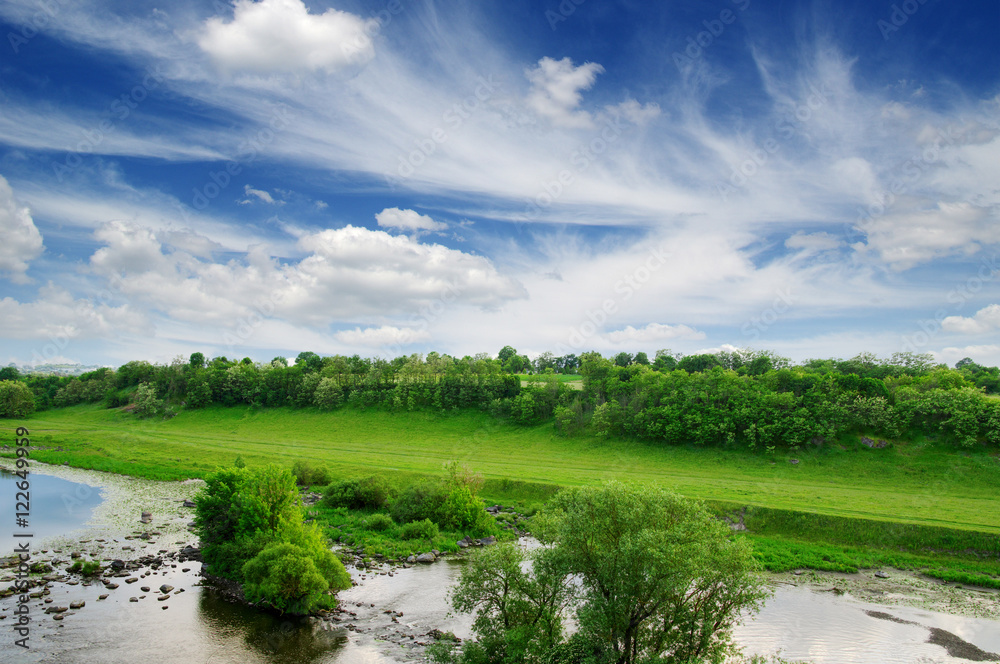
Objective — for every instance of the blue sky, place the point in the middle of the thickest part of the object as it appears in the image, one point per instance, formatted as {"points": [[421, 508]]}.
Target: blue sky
{"points": [[262, 178]]}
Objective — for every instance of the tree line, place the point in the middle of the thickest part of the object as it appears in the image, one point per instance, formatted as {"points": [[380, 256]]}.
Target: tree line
{"points": [[745, 397]]}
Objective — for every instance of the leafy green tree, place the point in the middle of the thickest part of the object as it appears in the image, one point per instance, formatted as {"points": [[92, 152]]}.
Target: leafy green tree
{"points": [[519, 609], [623, 359], [662, 579], [145, 401], [9, 372], [641, 358], [16, 399], [197, 360], [659, 580], [506, 353], [328, 394], [309, 360]]}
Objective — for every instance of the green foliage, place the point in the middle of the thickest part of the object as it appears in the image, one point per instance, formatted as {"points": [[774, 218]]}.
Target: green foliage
{"points": [[251, 529], [145, 402], [372, 492], [618, 538], [420, 500], [424, 529], [16, 399], [295, 575], [660, 580], [328, 394], [518, 612], [308, 475], [380, 522], [86, 567]]}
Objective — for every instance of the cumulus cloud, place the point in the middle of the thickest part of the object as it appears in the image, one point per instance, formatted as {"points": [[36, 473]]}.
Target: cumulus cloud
{"points": [[21, 240], [386, 335], [408, 220], [347, 273], [276, 36], [653, 332], [55, 314], [556, 90], [985, 320]]}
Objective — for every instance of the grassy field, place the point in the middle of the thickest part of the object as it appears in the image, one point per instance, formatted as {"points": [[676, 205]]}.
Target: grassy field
{"points": [[914, 484]]}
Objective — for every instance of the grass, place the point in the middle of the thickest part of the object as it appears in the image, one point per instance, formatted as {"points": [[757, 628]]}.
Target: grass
{"points": [[911, 505], [916, 484]]}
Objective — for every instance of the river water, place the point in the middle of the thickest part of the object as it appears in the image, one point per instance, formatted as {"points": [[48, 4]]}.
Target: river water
{"points": [[395, 609]]}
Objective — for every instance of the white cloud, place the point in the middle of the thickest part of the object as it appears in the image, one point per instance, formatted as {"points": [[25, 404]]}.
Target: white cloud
{"points": [[555, 90], [984, 354], [386, 335], [811, 243], [21, 240], [56, 315], [985, 320], [909, 234], [653, 332], [259, 194], [348, 273], [408, 220], [635, 112], [274, 36]]}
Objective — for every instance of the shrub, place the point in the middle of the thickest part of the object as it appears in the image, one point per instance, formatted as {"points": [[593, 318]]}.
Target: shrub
{"points": [[422, 500], [328, 394], [369, 493], [16, 399], [420, 530], [306, 475], [294, 579], [146, 402], [379, 522]]}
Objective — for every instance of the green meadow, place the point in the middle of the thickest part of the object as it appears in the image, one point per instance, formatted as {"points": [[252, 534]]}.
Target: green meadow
{"points": [[840, 508], [905, 483]]}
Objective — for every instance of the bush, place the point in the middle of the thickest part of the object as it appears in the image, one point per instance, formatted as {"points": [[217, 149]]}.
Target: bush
{"points": [[420, 530], [379, 522], [306, 475], [293, 578], [422, 500], [369, 493], [146, 402], [16, 399]]}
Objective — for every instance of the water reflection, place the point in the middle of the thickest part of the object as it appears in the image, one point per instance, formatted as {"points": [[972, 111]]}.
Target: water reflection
{"points": [[57, 506], [277, 639]]}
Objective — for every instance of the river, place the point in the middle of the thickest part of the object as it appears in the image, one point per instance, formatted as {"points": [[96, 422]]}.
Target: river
{"points": [[816, 618]]}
